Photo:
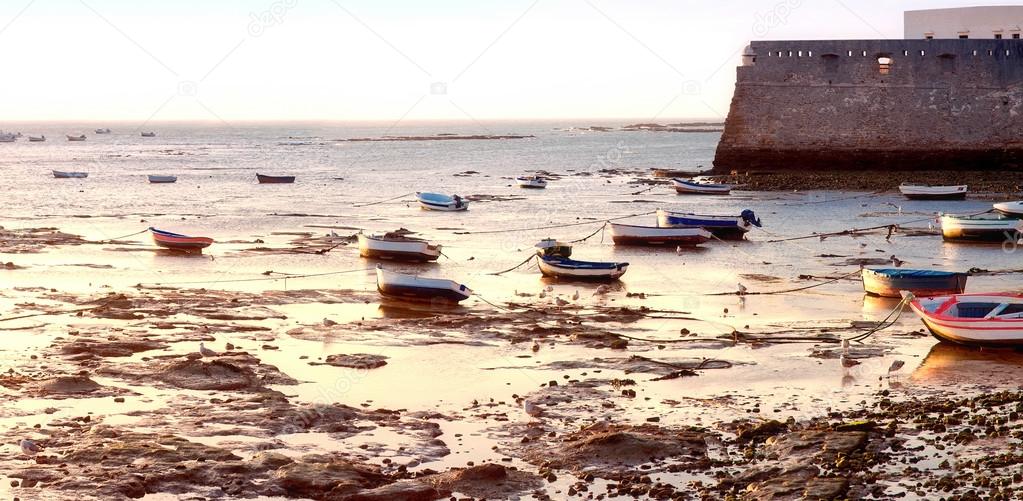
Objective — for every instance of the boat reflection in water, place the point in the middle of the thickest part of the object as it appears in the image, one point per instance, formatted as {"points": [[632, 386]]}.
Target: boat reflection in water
{"points": [[876, 307], [951, 364]]}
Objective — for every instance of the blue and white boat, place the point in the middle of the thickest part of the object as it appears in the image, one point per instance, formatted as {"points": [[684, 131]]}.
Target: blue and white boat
{"points": [[725, 227], [413, 288], [695, 187], [891, 282], [563, 267], [439, 202]]}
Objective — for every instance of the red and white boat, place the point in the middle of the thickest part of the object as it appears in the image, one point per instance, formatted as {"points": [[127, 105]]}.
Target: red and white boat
{"points": [[627, 234], [174, 241], [994, 319]]}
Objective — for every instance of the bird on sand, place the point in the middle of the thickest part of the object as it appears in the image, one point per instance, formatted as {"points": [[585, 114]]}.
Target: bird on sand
{"points": [[742, 290], [575, 297], [536, 346], [678, 250], [896, 261], [896, 365], [845, 346], [30, 448], [848, 362], [206, 352], [532, 410], [603, 289]]}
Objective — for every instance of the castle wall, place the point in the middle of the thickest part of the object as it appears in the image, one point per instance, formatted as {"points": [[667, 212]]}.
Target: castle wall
{"points": [[944, 104]]}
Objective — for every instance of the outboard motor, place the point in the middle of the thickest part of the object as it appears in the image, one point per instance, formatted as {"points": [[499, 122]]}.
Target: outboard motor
{"points": [[751, 218]]}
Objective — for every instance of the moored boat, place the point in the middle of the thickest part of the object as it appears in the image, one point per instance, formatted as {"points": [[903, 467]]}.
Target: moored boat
{"points": [[36, 139], [69, 175], [397, 247], [439, 202], [693, 187], [264, 179], [1014, 209], [928, 192], [148, 134], [178, 242], [155, 179], [563, 267], [414, 288], [8, 137], [76, 138], [975, 319], [992, 228], [552, 247], [891, 282], [725, 227], [626, 234], [102, 131], [535, 182]]}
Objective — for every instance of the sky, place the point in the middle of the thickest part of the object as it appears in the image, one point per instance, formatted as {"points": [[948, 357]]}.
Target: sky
{"points": [[390, 60]]}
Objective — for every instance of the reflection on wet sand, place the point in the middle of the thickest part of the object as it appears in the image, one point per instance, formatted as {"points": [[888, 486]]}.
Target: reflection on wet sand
{"points": [[949, 363]]}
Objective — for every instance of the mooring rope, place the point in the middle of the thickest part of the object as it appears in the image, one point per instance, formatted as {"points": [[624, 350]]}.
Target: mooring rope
{"points": [[551, 227], [118, 238], [787, 291], [384, 201], [528, 259], [884, 323], [891, 227], [264, 279]]}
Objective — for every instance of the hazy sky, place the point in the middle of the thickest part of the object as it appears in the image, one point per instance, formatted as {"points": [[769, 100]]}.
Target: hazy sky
{"points": [[238, 60]]}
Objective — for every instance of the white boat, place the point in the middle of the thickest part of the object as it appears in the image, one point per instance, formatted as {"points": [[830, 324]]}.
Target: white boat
{"points": [[155, 179], [439, 202], [725, 227], [70, 175], [36, 139], [536, 182], [928, 192], [563, 267], [992, 228], [1014, 209], [397, 247], [76, 138], [699, 187], [626, 234], [413, 288], [148, 134], [102, 131], [975, 319]]}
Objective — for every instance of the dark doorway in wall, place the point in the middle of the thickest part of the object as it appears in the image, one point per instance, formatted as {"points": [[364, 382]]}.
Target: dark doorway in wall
{"points": [[830, 63], [947, 63]]}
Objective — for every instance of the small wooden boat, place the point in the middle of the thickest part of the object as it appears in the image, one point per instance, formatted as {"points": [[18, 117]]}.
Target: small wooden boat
{"points": [[7, 137], [928, 192], [553, 248], [563, 267], [102, 131], [625, 234], [148, 134], [691, 187], [535, 182], [439, 202], [162, 179], [991, 228], [890, 282], [263, 179], [178, 242], [725, 227], [413, 288], [70, 175], [973, 319], [1014, 209], [36, 139], [76, 138], [397, 247]]}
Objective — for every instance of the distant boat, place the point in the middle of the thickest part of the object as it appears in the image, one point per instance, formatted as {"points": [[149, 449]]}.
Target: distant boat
{"points": [[36, 139], [178, 242], [535, 182], [691, 187], [399, 248], [725, 227], [625, 234], [1014, 209], [891, 282], [8, 137], [992, 228], [275, 179], [411, 287], [973, 319], [927, 192], [162, 179], [102, 131], [70, 175], [439, 202], [148, 134], [76, 138]]}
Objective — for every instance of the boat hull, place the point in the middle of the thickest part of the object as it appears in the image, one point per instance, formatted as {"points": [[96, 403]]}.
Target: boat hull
{"points": [[684, 187], [981, 229], [442, 203], [70, 175], [1012, 209], [413, 288], [934, 192], [397, 250], [922, 283], [531, 183], [162, 179], [623, 234], [275, 179], [723, 227], [995, 332], [182, 243], [581, 270]]}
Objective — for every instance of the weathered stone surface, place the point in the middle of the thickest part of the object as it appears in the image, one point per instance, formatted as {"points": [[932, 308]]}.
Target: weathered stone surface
{"points": [[944, 104]]}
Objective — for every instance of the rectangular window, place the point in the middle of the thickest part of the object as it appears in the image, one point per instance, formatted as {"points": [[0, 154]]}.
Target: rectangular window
{"points": [[929, 37], [1015, 36], [850, 53], [964, 37], [998, 36]]}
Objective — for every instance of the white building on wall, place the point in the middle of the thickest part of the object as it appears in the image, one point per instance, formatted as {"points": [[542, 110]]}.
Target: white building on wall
{"points": [[965, 22]]}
